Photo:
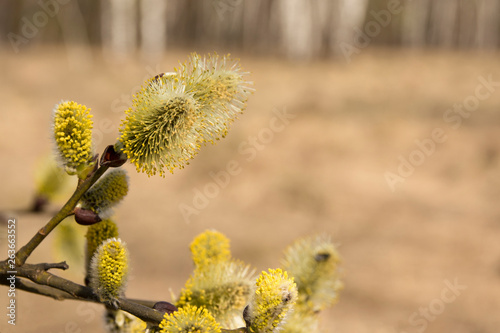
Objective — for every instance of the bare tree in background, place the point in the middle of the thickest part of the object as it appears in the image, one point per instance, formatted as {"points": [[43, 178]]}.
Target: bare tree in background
{"points": [[488, 24], [75, 35], [352, 16], [119, 27], [298, 29], [153, 27], [415, 21], [297, 39], [444, 20]]}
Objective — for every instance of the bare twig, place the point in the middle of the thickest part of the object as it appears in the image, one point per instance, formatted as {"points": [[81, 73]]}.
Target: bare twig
{"points": [[65, 211]]}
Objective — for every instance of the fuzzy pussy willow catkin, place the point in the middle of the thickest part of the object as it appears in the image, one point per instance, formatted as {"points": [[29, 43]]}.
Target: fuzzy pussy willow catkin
{"points": [[97, 234], [189, 319], [314, 264], [210, 247], [174, 114], [106, 193], [218, 85], [273, 300], [109, 269], [73, 135], [220, 284]]}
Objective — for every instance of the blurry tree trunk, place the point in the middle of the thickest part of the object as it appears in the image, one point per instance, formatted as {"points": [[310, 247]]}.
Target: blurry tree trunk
{"points": [[467, 24], [75, 36], [415, 23], [223, 21], [325, 19], [153, 27], [488, 18], [352, 17], [119, 27], [297, 28], [444, 22], [256, 22]]}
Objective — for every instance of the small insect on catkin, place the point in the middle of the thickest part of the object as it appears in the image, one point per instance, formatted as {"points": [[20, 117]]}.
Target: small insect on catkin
{"points": [[313, 262], [174, 114]]}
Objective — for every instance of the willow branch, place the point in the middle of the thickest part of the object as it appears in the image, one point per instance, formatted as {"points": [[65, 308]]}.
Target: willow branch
{"points": [[65, 211], [31, 287], [47, 284]]}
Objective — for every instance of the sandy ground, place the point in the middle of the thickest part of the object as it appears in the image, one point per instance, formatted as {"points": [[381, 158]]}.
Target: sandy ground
{"points": [[422, 255]]}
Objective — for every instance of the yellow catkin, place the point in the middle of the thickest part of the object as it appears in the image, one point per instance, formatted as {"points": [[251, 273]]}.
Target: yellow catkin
{"points": [[220, 284], [174, 114], [209, 247], [97, 234], [106, 193], [313, 262], [274, 298], [109, 269], [189, 319], [73, 134]]}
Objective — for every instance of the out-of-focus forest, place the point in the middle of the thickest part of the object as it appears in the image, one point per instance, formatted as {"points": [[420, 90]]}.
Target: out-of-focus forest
{"points": [[387, 139], [300, 29]]}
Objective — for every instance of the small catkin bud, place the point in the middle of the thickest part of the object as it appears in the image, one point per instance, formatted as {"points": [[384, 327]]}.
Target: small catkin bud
{"points": [[97, 234], [210, 247], [274, 298], [73, 135], [313, 263], [109, 270], [189, 319], [106, 193]]}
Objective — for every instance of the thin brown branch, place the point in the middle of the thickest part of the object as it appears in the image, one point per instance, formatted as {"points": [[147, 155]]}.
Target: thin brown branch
{"points": [[65, 211], [43, 283], [60, 265], [31, 287], [47, 284]]}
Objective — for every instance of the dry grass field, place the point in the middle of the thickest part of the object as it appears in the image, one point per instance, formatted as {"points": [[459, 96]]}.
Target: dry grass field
{"points": [[420, 256]]}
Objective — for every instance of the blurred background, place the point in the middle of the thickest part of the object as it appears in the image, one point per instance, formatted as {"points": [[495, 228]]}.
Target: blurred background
{"points": [[387, 140]]}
